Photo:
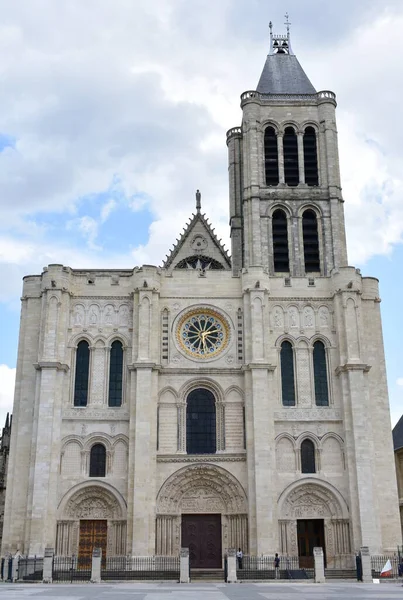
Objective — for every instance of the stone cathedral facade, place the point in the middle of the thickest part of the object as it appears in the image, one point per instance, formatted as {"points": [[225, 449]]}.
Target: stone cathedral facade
{"points": [[215, 402]]}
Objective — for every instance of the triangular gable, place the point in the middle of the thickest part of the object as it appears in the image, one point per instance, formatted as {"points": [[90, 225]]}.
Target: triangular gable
{"points": [[198, 248]]}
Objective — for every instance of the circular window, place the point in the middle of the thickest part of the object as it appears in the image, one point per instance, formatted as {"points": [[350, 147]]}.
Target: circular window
{"points": [[203, 333]]}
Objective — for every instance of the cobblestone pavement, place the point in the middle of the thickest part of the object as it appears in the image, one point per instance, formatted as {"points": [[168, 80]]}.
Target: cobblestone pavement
{"points": [[152, 591]]}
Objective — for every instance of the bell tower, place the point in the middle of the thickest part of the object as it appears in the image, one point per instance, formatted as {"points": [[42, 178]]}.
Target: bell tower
{"points": [[286, 205]]}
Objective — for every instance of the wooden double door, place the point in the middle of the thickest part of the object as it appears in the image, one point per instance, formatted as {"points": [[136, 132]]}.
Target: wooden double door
{"points": [[202, 535], [93, 534], [310, 534]]}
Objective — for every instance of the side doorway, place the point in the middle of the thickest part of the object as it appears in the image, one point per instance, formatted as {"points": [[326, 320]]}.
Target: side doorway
{"points": [[310, 534]]}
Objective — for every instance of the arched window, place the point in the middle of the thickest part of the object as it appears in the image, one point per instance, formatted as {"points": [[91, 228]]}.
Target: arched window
{"points": [[201, 423], [82, 374], [310, 157], [287, 374], [320, 374], [311, 241], [271, 156], [280, 241], [308, 457], [290, 147], [98, 461], [116, 374]]}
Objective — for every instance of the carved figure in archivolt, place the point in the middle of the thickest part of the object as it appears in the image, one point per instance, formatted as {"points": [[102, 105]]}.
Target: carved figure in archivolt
{"points": [[310, 501], [93, 503], [278, 318], [196, 485], [324, 316], [79, 315], [308, 317], [293, 317]]}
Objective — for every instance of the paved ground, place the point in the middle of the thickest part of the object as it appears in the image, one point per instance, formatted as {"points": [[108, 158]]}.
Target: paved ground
{"points": [[150, 591]]}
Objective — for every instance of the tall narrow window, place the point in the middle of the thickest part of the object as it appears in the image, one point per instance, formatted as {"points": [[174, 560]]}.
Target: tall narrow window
{"points": [[116, 374], [311, 241], [271, 156], [320, 374], [287, 374], [82, 374], [308, 457], [310, 157], [280, 241], [290, 145], [201, 423], [98, 461]]}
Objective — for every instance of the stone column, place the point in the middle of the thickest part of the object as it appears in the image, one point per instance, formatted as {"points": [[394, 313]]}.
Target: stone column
{"points": [[231, 566], [184, 566], [48, 566], [96, 565], [280, 152], [366, 564], [319, 565], [301, 161]]}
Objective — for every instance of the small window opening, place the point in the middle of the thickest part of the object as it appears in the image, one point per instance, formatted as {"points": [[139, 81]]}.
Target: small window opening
{"points": [[320, 374], [290, 145], [287, 374], [98, 461], [280, 241], [116, 374], [310, 157], [271, 156], [311, 241], [308, 457], [82, 374]]}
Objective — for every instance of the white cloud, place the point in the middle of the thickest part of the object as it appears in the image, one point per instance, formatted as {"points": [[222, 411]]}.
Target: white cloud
{"points": [[399, 381], [7, 379]]}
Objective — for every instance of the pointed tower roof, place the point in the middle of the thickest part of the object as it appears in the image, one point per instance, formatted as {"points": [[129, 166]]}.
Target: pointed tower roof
{"points": [[282, 73], [198, 246], [398, 434]]}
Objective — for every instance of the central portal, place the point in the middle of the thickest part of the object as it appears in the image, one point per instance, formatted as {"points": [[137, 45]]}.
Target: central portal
{"points": [[310, 534], [202, 535]]}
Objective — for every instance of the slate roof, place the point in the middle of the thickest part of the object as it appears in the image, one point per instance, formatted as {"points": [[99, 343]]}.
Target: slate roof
{"points": [[282, 74], [398, 434]]}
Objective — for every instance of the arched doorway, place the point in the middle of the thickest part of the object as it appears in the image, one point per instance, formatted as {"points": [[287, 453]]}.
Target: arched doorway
{"points": [[314, 513], [93, 515], [202, 507]]}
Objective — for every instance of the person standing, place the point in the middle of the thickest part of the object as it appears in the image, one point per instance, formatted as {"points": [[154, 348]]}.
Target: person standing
{"points": [[239, 557], [277, 565]]}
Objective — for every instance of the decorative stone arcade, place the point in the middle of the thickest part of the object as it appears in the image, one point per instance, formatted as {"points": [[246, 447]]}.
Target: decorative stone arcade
{"points": [[201, 489]]}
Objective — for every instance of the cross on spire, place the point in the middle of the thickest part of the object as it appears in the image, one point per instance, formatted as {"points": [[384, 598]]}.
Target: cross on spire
{"points": [[287, 22]]}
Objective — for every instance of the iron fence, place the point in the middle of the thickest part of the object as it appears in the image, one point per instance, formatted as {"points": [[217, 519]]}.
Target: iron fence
{"points": [[71, 568], [30, 568], [141, 568], [378, 561], [262, 567]]}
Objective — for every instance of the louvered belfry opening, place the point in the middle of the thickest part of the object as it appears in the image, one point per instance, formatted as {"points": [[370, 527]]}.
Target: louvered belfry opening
{"points": [[290, 148], [271, 156], [310, 157], [311, 241], [280, 242], [287, 374]]}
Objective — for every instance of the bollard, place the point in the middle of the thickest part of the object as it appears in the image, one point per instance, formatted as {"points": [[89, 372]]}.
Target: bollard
{"points": [[319, 565], [184, 566], [14, 568], [96, 565], [366, 564], [47, 576], [231, 566]]}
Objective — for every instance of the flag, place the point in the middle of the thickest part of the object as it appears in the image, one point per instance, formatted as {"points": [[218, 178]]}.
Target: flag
{"points": [[387, 569]]}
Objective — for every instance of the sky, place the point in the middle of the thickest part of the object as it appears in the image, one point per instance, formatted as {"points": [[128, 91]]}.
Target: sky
{"points": [[112, 114]]}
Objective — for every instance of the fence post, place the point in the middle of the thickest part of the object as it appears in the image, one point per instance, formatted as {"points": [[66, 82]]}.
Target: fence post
{"points": [[366, 564], [184, 566], [47, 576], [14, 568], [231, 566], [319, 565], [96, 565]]}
